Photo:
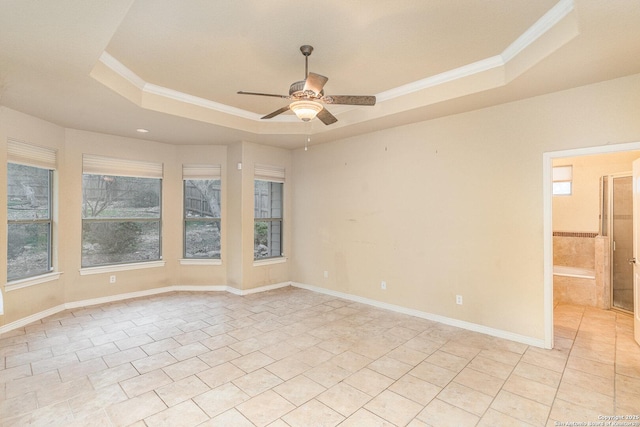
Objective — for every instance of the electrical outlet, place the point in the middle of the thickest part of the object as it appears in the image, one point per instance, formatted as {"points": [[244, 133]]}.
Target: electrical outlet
{"points": [[459, 299], [112, 278], [326, 274], [383, 285]]}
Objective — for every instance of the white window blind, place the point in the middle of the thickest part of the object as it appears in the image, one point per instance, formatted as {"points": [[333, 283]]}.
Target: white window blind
{"points": [[31, 155], [198, 171], [99, 165], [269, 173], [562, 173]]}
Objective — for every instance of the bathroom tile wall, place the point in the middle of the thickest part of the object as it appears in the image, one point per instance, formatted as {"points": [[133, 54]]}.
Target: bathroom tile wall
{"points": [[574, 249]]}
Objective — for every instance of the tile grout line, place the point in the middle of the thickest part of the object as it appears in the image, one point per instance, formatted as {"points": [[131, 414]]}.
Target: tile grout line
{"points": [[501, 387], [573, 342]]}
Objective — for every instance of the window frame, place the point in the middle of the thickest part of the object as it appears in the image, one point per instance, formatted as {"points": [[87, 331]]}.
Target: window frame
{"points": [[256, 220], [212, 220], [562, 174], [97, 165], [49, 221], [122, 220]]}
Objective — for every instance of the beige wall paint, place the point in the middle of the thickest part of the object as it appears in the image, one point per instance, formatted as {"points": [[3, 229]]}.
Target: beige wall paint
{"points": [[234, 260], [443, 207], [237, 267], [261, 275], [78, 287], [24, 302], [204, 274], [451, 206], [242, 273], [580, 211]]}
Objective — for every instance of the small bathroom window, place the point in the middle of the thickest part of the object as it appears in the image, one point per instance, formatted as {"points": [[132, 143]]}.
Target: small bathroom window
{"points": [[562, 180]]}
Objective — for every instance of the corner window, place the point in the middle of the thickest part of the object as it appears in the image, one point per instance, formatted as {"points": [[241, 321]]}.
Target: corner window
{"points": [[201, 211], [121, 211], [268, 210], [562, 180], [29, 224]]}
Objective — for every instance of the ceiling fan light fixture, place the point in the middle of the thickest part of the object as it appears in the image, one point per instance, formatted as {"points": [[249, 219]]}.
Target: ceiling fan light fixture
{"points": [[306, 110]]}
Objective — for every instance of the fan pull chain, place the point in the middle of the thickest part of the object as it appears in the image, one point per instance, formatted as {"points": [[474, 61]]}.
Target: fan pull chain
{"points": [[308, 141]]}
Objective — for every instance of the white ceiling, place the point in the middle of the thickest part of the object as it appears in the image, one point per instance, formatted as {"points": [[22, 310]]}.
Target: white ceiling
{"points": [[174, 66]]}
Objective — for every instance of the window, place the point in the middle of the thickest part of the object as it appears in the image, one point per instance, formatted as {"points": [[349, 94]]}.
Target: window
{"points": [[201, 211], [562, 180], [29, 210], [29, 221], [268, 208], [121, 215]]}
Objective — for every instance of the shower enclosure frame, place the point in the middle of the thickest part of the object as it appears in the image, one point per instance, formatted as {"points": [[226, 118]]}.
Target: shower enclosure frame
{"points": [[606, 229]]}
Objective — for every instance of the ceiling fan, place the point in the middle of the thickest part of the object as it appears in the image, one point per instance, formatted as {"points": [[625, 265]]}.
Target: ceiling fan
{"points": [[307, 96]]}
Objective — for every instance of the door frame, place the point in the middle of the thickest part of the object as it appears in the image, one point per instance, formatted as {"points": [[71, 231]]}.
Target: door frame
{"points": [[547, 208]]}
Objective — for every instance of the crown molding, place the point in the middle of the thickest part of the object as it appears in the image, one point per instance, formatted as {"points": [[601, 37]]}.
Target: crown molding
{"points": [[200, 102], [493, 64], [549, 20], [439, 79], [120, 69]]}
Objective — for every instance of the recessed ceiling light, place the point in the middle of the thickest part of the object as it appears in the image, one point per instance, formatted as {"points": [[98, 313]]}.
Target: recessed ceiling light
{"points": [[142, 130]]}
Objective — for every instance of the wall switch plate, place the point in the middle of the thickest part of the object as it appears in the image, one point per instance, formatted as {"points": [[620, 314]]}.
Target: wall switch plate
{"points": [[112, 278], [383, 285], [459, 299]]}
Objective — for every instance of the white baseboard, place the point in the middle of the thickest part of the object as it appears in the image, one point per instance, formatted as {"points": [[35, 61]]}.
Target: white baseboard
{"points": [[222, 288], [499, 333], [129, 295], [32, 318], [258, 289]]}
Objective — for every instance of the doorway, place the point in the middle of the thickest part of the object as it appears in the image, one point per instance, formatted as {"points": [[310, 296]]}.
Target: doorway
{"points": [[548, 159], [617, 223]]}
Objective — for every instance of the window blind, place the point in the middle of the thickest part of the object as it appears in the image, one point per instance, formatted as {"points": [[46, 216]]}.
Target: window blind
{"points": [[99, 165], [562, 173], [198, 171], [31, 155], [269, 173]]}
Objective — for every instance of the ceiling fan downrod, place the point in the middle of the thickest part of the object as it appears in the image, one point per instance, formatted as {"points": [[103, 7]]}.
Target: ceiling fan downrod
{"points": [[306, 51]]}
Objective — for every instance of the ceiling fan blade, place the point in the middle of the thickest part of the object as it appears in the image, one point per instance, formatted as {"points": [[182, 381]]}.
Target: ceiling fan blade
{"points": [[315, 83], [326, 117], [277, 112], [264, 94], [349, 99]]}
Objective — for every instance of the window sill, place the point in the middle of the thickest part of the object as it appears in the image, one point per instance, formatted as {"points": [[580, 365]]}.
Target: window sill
{"points": [[120, 267], [32, 281], [200, 261], [269, 261]]}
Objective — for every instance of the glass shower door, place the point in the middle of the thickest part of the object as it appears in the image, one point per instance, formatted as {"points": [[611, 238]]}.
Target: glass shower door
{"points": [[622, 246]]}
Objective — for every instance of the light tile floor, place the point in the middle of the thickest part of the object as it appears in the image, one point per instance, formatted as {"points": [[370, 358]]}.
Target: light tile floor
{"points": [[292, 357]]}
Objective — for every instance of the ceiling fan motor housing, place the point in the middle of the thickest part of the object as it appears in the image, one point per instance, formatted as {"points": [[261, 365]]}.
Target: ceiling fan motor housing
{"points": [[296, 87], [297, 91]]}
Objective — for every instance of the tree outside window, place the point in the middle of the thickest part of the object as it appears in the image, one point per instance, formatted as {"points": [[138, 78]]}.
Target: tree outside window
{"points": [[29, 223], [268, 219], [202, 218], [120, 219]]}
